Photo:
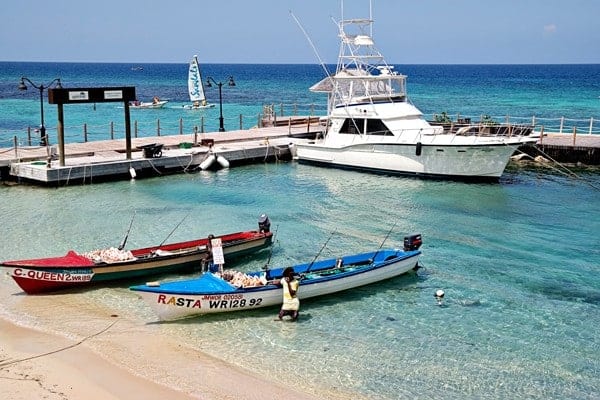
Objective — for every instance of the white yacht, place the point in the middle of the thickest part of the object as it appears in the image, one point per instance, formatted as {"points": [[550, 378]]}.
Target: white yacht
{"points": [[372, 126]]}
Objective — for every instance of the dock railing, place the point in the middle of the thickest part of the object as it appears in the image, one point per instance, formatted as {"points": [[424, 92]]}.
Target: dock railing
{"points": [[270, 114]]}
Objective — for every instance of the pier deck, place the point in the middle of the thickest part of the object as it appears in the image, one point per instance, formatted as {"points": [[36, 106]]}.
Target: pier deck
{"points": [[572, 149], [106, 160]]}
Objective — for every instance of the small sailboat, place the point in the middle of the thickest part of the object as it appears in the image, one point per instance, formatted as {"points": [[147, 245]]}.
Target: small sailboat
{"points": [[196, 87]]}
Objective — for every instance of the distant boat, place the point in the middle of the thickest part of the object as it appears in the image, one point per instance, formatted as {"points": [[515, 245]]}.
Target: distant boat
{"points": [[155, 103], [196, 87], [137, 68]]}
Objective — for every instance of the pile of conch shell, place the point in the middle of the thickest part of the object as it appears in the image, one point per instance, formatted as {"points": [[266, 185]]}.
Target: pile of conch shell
{"points": [[240, 279], [109, 255]]}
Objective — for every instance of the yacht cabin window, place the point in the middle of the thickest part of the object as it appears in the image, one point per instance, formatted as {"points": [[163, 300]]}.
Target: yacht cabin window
{"points": [[369, 126]]}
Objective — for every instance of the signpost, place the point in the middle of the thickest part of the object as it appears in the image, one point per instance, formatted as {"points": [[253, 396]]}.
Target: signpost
{"points": [[61, 96]]}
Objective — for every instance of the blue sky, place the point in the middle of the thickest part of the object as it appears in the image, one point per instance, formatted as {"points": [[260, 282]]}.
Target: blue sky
{"points": [[262, 31]]}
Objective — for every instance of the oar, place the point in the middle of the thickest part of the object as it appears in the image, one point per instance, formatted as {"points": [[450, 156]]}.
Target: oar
{"points": [[384, 240], [174, 229], [122, 245], [319, 253]]}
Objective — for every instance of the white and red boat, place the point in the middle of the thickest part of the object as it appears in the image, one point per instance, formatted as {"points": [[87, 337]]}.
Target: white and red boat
{"points": [[79, 269]]}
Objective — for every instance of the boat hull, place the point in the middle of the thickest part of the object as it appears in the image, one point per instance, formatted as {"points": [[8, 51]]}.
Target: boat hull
{"points": [[477, 162], [73, 270], [178, 300]]}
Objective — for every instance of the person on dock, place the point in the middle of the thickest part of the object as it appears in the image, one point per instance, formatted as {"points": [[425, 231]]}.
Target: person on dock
{"points": [[291, 303]]}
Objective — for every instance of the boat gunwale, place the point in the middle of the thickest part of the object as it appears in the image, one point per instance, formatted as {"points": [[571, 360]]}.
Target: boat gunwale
{"points": [[394, 256], [146, 254]]}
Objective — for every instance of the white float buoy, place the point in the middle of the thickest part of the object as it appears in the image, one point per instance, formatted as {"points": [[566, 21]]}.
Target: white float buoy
{"points": [[439, 295], [204, 165], [132, 172], [223, 161]]}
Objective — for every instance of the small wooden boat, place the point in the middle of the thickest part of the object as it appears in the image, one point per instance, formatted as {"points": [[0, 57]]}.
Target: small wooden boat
{"points": [[231, 291], [75, 270]]}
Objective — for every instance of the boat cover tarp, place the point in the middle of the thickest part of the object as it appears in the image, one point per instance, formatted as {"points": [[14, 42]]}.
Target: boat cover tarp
{"points": [[210, 283], [206, 284], [71, 259]]}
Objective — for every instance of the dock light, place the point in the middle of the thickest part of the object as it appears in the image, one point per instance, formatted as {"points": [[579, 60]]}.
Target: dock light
{"points": [[231, 82], [23, 86]]}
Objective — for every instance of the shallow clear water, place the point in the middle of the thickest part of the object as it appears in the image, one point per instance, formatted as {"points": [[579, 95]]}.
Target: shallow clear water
{"points": [[518, 261]]}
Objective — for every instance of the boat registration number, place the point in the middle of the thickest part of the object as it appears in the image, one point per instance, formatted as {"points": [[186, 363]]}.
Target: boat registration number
{"points": [[55, 276]]}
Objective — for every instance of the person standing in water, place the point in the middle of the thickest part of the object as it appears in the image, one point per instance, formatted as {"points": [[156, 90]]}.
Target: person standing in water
{"points": [[291, 303]]}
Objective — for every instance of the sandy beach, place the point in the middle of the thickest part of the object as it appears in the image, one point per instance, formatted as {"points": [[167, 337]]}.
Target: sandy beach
{"points": [[34, 364]]}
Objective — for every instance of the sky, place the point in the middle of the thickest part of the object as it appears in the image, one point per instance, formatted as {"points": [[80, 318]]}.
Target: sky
{"points": [[264, 32]]}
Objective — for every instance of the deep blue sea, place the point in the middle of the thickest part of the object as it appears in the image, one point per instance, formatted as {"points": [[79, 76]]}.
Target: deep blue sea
{"points": [[519, 92], [518, 260]]}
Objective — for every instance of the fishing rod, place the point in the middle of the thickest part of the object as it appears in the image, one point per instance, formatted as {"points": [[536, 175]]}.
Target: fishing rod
{"points": [[174, 229], [384, 240], [319, 253], [122, 245]]}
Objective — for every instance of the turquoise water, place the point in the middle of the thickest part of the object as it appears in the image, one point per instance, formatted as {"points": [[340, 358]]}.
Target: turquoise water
{"points": [[518, 261], [522, 92]]}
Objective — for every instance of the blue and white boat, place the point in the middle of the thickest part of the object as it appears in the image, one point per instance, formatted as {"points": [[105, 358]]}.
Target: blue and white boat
{"points": [[216, 293]]}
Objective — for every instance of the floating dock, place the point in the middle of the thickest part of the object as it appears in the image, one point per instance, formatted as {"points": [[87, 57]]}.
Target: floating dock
{"points": [[99, 161]]}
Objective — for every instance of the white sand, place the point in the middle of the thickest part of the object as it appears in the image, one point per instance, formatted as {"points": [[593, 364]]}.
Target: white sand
{"points": [[37, 365]]}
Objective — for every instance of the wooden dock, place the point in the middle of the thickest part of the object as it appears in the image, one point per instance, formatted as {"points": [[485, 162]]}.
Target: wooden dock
{"points": [[99, 161], [572, 149]]}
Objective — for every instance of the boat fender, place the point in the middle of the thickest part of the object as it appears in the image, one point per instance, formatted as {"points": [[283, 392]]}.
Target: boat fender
{"points": [[418, 148], [222, 161], [208, 161], [132, 172]]}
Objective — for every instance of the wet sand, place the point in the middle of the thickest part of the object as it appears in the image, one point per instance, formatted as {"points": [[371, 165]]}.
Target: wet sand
{"points": [[35, 364]]}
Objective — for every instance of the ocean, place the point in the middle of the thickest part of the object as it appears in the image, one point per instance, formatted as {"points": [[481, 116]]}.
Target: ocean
{"points": [[518, 260], [544, 94]]}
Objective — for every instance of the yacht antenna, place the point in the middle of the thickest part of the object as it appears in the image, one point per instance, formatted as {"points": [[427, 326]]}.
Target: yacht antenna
{"points": [[311, 44]]}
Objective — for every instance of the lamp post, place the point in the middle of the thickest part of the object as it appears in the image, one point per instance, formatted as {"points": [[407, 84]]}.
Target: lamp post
{"points": [[220, 84], [23, 86]]}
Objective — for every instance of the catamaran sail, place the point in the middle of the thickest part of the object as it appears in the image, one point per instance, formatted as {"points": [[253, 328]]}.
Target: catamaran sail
{"points": [[196, 86]]}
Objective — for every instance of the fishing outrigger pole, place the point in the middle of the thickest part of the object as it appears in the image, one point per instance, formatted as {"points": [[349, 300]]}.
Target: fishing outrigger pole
{"points": [[319, 253], [122, 245], [384, 240]]}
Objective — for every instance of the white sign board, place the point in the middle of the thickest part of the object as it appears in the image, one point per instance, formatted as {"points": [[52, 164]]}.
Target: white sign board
{"points": [[217, 251], [113, 94], [82, 95]]}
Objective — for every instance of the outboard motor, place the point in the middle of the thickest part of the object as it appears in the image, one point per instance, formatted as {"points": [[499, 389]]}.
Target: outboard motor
{"points": [[412, 242], [264, 225]]}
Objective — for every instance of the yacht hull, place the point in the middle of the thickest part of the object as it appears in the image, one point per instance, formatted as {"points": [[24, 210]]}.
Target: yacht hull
{"points": [[484, 162]]}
